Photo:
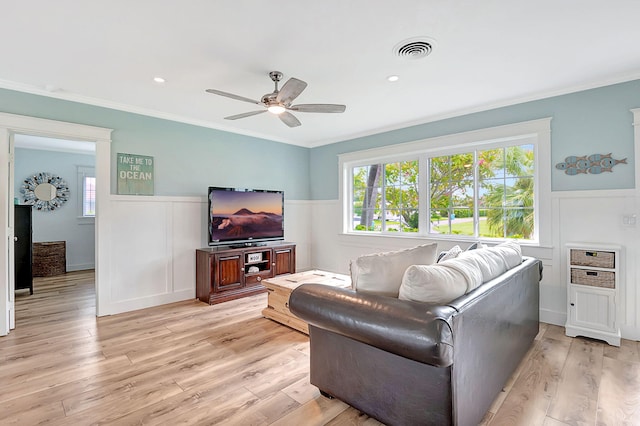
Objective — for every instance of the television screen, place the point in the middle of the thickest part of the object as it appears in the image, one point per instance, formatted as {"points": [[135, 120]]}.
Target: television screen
{"points": [[245, 216]]}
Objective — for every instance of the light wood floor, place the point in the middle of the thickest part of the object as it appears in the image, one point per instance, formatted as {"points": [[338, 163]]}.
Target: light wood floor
{"points": [[190, 363]]}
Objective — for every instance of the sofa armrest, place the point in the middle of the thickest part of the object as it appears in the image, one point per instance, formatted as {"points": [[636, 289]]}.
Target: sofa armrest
{"points": [[418, 331]]}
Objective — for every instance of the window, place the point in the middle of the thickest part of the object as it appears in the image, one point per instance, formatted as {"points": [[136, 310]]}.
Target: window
{"points": [[86, 192], [484, 186], [89, 196], [385, 197], [484, 193]]}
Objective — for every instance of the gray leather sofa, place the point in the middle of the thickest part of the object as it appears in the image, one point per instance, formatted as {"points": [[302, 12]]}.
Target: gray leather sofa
{"points": [[412, 363]]}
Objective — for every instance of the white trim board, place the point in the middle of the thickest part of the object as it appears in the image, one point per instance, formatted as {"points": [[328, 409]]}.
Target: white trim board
{"points": [[11, 124]]}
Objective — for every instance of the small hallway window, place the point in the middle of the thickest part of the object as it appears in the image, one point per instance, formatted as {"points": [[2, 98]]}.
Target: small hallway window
{"points": [[87, 191]]}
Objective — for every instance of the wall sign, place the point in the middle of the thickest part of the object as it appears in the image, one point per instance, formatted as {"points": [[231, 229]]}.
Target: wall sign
{"points": [[135, 174]]}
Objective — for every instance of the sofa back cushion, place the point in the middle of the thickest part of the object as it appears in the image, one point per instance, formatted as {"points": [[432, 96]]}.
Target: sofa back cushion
{"points": [[432, 283], [449, 279], [381, 273]]}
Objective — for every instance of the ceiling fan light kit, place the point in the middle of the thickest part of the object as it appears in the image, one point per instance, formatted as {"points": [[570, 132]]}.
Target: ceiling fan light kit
{"points": [[279, 101], [276, 109]]}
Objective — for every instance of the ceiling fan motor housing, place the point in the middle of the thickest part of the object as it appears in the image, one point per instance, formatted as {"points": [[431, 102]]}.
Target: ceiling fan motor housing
{"points": [[270, 99]]}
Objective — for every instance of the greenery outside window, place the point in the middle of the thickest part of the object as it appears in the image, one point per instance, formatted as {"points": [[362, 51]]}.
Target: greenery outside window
{"points": [[481, 188], [385, 197], [484, 193]]}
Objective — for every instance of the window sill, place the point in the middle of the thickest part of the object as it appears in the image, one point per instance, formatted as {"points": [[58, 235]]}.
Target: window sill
{"points": [[458, 239], [86, 220]]}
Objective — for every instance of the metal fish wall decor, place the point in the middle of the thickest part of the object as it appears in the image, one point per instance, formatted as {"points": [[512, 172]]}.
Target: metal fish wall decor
{"points": [[593, 164]]}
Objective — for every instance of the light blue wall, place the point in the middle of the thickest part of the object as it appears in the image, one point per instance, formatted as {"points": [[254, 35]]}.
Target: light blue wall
{"points": [[187, 158], [584, 123], [190, 158], [61, 224]]}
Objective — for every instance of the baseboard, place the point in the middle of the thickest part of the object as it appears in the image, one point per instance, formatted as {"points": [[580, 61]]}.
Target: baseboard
{"points": [[81, 267], [147, 302], [630, 333], [553, 317]]}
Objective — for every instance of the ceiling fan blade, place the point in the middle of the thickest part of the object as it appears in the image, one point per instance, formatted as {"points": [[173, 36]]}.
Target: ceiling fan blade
{"points": [[232, 96], [291, 89], [244, 114], [318, 108], [289, 119]]}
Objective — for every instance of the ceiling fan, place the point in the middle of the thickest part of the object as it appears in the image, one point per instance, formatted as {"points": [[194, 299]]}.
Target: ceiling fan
{"points": [[279, 101]]}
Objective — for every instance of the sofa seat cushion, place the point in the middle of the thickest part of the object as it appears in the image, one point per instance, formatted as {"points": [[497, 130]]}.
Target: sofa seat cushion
{"points": [[381, 273]]}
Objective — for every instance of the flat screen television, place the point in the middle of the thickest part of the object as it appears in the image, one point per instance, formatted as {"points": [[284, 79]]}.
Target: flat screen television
{"points": [[245, 217]]}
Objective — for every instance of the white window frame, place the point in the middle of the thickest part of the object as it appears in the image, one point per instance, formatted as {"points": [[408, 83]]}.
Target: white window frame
{"points": [[82, 173], [535, 132]]}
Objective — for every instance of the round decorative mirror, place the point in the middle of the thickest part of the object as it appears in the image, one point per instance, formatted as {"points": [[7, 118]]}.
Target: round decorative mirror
{"points": [[45, 191]]}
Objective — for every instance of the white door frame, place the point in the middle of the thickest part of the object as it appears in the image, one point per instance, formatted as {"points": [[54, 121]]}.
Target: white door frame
{"points": [[11, 124]]}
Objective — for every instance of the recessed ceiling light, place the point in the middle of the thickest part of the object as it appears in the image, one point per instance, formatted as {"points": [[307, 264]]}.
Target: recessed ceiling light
{"points": [[159, 79], [393, 78]]}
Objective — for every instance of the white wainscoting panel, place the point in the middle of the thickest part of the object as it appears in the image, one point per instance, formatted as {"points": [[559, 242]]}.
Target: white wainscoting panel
{"points": [[153, 242], [297, 229], [188, 234], [141, 259]]}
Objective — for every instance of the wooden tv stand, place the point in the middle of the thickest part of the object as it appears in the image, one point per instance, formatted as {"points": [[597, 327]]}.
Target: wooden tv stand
{"points": [[224, 273]]}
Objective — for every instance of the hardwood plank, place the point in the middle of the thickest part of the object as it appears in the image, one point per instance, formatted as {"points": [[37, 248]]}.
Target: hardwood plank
{"points": [[62, 376], [553, 422], [628, 351], [317, 412], [301, 390], [353, 417], [35, 413], [619, 393], [497, 403], [528, 400], [577, 396]]}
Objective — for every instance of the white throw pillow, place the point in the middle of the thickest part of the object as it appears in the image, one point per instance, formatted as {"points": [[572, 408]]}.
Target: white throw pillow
{"points": [[494, 261], [476, 245], [432, 283], [490, 264], [381, 273], [511, 253], [452, 253]]}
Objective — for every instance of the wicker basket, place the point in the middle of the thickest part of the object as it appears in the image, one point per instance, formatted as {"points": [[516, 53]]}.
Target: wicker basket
{"points": [[49, 259], [595, 258], [604, 279]]}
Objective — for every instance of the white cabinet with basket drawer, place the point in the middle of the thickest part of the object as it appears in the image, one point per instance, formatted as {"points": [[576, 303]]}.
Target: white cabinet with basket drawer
{"points": [[593, 287]]}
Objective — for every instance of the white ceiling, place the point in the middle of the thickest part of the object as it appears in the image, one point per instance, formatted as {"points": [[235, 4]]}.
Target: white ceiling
{"points": [[487, 53]]}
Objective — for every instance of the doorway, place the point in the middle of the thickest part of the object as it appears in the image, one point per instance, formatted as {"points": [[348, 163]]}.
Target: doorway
{"points": [[62, 222], [10, 125]]}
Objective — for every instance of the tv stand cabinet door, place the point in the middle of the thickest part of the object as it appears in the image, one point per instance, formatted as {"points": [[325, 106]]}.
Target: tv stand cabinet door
{"points": [[285, 260], [229, 274]]}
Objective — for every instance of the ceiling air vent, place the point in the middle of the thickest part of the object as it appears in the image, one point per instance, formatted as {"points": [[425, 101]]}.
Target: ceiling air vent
{"points": [[416, 48]]}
